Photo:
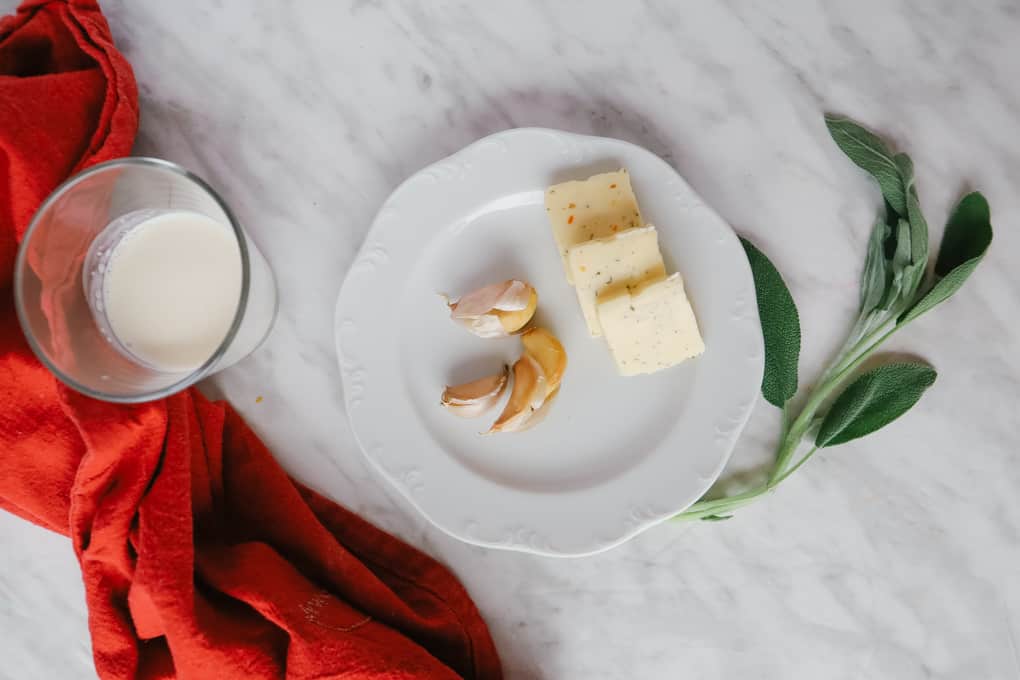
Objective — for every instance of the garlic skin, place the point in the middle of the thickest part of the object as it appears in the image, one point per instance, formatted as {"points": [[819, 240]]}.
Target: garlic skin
{"points": [[496, 310], [484, 326], [472, 399]]}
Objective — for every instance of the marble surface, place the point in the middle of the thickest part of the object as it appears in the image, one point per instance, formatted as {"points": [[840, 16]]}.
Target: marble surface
{"points": [[894, 557]]}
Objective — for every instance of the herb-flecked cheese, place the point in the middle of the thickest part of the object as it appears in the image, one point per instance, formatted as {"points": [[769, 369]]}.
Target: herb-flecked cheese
{"points": [[597, 207], [651, 329], [605, 267]]}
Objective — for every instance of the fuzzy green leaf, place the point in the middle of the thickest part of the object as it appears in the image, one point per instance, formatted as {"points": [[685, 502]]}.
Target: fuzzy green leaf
{"points": [[871, 154], [875, 276], [967, 237], [918, 229], [897, 264], [968, 234], [906, 169], [780, 327], [914, 274], [874, 400]]}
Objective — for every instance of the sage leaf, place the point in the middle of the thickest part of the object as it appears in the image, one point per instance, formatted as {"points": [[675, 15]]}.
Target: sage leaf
{"points": [[906, 169], [897, 265], [968, 234], [918, 246], [871, 154], [780, 326], [967, 237], [905, 239], [875, 276], [874, 400]]}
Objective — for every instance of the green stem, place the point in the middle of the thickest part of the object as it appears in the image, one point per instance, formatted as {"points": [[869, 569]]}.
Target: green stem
{"points": [[792, 433], [868, 330], [848, 354], [793, 469], [785, 423], [787, 446], [712, 507], [843, 370], [703, 508]]}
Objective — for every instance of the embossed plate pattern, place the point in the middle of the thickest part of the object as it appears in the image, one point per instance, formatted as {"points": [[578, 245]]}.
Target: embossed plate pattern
{"points": [[615, 455]]}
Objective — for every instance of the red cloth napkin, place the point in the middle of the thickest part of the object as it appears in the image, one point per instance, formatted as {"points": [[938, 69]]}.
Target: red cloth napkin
{"points": [[200, 557]]}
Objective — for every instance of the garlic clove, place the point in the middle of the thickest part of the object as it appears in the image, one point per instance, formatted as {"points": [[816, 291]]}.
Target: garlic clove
{"points": [[476, 397], [527, 396], [496, 310], [514, 320], [547, 350], [532, 397], [541, 412]]}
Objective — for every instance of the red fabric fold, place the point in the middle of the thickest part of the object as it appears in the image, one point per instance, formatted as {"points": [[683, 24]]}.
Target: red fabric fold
{"points": [[200, 556]]}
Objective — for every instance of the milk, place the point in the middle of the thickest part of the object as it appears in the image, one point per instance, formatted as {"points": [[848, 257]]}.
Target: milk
{"points": [[165, 286]]}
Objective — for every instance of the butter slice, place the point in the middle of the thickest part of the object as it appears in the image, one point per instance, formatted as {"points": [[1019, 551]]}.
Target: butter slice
{"points": [[652, 329], [597, 207], [605, 267]]}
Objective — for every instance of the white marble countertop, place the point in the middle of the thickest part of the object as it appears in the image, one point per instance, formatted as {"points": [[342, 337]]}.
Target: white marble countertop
{"points": [[894, 557]]}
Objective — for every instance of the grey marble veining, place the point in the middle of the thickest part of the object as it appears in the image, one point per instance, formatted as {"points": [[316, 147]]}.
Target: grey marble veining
{"points": [[894, 557]]}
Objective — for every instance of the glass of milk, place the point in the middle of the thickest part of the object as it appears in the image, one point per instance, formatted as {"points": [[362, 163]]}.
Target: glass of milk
{"points": [[135, 280]]}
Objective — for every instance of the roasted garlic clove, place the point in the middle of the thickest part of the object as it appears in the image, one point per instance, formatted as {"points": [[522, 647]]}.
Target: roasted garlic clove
{"points": [[476, 397], [496, 310], [541, 412], [526, 397], [545, 348], [513, 320], [537, 377]]}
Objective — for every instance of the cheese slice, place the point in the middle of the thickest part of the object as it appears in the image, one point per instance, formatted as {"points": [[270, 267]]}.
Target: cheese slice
{"points": [[651, 329], [605, 267], [597, 207]]}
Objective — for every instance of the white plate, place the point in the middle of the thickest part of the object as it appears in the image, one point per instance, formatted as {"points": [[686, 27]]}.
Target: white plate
{"points": [[615, 454]]}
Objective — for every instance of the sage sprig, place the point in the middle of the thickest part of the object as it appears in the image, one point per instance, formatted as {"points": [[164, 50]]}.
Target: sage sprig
{"points": [[895, 289]]}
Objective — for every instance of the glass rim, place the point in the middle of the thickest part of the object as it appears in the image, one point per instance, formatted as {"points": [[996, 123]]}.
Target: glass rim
{"points": [[20, 265]]}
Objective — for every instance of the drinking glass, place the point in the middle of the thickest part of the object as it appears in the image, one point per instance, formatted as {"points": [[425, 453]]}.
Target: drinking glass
{"points": [[62, 259]]}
